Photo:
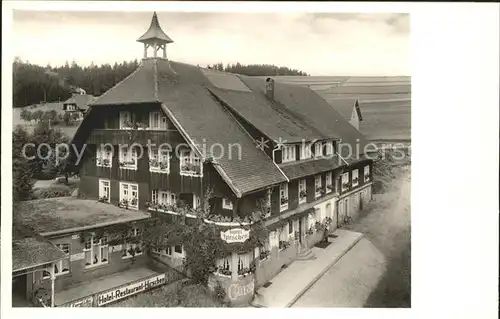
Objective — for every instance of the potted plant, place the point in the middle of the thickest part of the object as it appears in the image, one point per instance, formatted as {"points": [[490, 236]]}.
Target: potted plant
{"points": [[264, 254], [302, 194], [345, 186], [355, 180], [103, 199], [367, 178], [284, 201]]}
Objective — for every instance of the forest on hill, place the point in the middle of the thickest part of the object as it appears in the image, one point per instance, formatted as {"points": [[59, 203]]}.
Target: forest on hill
{"points": [[34, 83]]}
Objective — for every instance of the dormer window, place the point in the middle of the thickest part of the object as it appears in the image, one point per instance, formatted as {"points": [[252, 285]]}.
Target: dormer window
{"points": [[288, 153], [318, 149], [305, 151], [157, 121], [329, 148]]}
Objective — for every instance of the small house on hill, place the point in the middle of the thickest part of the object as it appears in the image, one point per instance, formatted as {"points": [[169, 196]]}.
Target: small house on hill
{"points": [[78, 103]]}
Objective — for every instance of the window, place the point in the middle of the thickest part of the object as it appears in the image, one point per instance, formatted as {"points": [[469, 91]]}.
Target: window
{"points": [[96, 251], [283, 197], [305, 151], [159, 159], [302, 191], [355, 178], [157, 121], [163, 198], [104, 156], [329, 185], [345, 181], [317, 185], [329, 148], [288, 154], [167, 251], [125, 120], [318, 149], [190, 163], [132, 249], [227, 204], [367, 173], [129, 195], [62, 267], [290, 227], [104, 190], [128, 157], [178, 249]]}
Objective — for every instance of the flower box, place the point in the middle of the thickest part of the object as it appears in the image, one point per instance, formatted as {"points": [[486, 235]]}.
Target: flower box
{"points": [[224, 271], [127, 163], [330, 187], [355, 181], [367, 178], [190, 168], [345, 186], [161, 165], [302, 194], [105, 162], [283, 201]]}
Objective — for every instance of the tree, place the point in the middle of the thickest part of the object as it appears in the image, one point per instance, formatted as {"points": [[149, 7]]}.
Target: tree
{"points": [[26, 115], [22, 172]]}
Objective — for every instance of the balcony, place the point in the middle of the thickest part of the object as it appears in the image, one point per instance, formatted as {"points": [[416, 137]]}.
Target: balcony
{"points": [[117, 136]]}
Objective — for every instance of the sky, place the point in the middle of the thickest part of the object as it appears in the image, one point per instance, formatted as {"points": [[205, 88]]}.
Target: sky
{"points": [[337, 44]]}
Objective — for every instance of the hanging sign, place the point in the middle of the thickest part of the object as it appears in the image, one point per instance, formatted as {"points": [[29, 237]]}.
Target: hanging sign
{"points": [[235, 235]]}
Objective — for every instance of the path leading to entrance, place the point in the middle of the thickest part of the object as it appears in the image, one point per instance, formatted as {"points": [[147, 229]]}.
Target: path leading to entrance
{"points": [[292, 282]]}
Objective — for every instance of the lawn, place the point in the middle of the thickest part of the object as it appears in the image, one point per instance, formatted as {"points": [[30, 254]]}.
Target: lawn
{"points": [[179, 294]]}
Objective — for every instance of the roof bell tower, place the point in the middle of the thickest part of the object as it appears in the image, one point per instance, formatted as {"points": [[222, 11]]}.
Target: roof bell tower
{"points": [[155, 38]]}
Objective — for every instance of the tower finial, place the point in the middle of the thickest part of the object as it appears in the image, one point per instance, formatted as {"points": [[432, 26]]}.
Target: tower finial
{"points": [[155, 38]]}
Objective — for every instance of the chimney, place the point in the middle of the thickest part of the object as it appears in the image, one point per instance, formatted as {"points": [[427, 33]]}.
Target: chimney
{"points": [[270, 89]]}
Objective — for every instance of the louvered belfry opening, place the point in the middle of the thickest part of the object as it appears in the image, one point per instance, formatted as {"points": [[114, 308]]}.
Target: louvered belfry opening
{"points": [[155, 38]]}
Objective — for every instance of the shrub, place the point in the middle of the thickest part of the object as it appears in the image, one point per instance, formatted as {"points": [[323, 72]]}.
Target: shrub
{"points": [[52, 192]]}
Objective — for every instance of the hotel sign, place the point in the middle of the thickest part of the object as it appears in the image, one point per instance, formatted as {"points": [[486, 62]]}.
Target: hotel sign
{"points": [[129, 290], [235, 235]]}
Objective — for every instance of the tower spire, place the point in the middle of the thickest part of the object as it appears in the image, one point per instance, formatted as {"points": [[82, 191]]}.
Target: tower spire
{"points": [[155, 38]]}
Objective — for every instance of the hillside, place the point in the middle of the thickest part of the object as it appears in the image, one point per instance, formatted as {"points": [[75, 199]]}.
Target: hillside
{"points": [[385, 101]]}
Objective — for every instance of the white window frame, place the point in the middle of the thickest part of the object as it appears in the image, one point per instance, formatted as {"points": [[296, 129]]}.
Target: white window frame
{"points": [[99, 247], [158, 123], [102, 189], [302, 187], [367, 173], [318, 149], [135, 232], [354, 176], [59, 263], [129, 195], [317, 185], [189, 157], [329, 148], [345, 179], [129, 155], [103, 155], [227, 203], [305, 151], [163, 197], [288, 153], [283, 195], [158, 156], [328, 182], [167, 251], [124, 117]]}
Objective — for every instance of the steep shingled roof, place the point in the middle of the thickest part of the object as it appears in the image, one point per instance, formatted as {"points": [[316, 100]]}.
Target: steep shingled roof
{"points": [[307, 106], [29, 249], [182, 89]]}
